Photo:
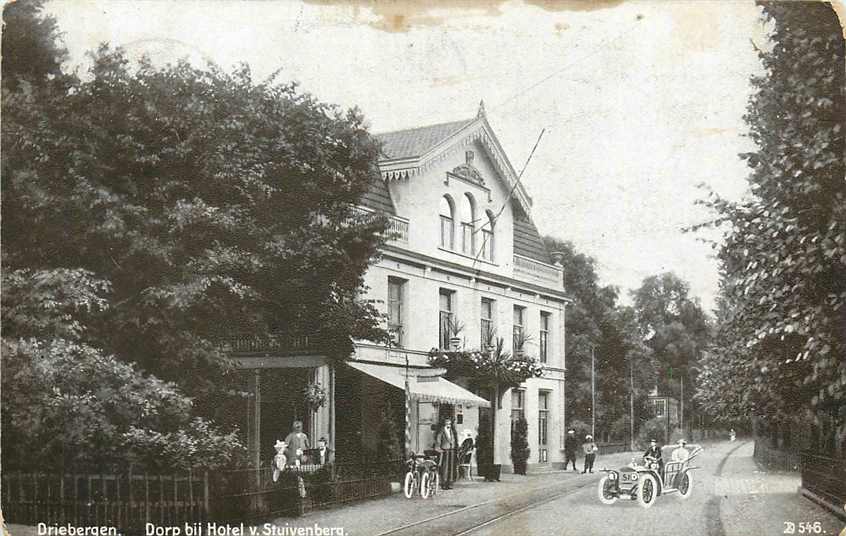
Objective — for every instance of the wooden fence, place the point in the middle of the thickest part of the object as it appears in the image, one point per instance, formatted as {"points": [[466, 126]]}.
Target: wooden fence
{"points": [[126, 501]]}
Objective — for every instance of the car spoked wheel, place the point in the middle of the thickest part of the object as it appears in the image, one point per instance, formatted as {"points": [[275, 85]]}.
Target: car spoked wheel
{"points": [[607, 493], [408, 485], [435, 482], [685, 485], [647, 491]]}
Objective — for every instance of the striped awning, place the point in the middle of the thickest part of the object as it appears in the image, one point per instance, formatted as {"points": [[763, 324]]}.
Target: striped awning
{"points": [[422, 384]]}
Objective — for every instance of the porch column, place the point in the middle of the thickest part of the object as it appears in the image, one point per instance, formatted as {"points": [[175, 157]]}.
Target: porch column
{"points": [[254, 419]]}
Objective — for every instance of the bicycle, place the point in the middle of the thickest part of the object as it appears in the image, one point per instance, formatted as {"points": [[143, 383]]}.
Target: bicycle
{"points": [[421, 477]]}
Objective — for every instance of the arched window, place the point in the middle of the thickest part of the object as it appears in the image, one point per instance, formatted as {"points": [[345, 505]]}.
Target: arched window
{"points": [[447, 223], [487, 246], [468, 217]]}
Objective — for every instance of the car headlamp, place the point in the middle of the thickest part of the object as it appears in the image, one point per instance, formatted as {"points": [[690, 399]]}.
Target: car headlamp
{"points": [[612, 476], [634, 476]]}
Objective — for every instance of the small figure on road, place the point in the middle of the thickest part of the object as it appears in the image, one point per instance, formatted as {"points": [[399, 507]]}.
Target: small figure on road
{"points": [[445, 443], [732, 435], [297, 443], [681, 454], [654, 451], [570, 446], [590, 449]]}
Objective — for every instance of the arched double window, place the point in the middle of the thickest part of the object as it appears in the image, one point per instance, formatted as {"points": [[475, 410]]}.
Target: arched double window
{"points": [[487, 245], [447, 211], [468, 219]]}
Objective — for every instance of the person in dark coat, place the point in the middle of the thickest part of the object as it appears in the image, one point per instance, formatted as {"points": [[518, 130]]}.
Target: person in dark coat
{"points": [[655, 451], [445, 444], [571, 444]]}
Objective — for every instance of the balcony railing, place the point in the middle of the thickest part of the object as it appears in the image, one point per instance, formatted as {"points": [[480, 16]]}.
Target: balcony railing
{"points": [[268, 343], [538, 272], [397, 231]]}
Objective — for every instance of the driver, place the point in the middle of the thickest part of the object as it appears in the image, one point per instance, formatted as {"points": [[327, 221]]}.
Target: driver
{"points": [[681, 454], [654, 451]]}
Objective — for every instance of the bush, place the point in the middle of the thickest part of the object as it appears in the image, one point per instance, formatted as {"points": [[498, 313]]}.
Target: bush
{"points": [[389, 446], [520, 450]]}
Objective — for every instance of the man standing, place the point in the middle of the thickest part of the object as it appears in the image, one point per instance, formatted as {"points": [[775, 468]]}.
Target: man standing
{"points": [[445, 445], [590, 449], [297, 443], [570, 446]]}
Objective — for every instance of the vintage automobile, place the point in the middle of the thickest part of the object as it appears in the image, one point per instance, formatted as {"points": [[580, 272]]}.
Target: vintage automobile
{"points": [[644, 480]]}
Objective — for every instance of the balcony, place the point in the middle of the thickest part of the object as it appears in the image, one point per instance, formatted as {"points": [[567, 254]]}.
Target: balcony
{"points": [[538, 272], [397, 232]]}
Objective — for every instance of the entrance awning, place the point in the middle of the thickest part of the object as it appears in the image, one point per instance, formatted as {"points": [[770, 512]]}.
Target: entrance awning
{"points": [[423, 386]]}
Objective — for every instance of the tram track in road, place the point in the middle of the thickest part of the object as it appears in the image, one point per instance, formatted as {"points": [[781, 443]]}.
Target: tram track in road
{"points": [[441, 523]]}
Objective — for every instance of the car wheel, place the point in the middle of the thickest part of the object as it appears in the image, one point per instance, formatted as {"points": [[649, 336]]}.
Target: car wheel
{"points": [[685, 485], [424, 486], [607, 493], [647, 490], [408, 485]]}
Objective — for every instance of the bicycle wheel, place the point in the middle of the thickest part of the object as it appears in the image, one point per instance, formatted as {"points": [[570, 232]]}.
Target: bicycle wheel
{"points": [[409, 484], [424, 485], [434, 482]]}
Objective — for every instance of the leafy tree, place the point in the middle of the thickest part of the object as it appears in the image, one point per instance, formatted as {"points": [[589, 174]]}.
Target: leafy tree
{"points": [[32, 49], [179, 205], [68, 404], [675, 328], [596, 320], [781, 337]]}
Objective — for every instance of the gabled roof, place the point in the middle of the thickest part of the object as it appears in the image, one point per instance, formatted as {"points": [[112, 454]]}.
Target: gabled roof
{"points": [[415, 142], [406, 153]]}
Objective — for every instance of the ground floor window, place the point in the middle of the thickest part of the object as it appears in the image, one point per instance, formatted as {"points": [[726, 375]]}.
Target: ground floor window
{"points": [[543, 426]]}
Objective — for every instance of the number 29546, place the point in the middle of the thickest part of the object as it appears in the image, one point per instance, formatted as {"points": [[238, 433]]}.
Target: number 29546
{"points": [[803, 527]]}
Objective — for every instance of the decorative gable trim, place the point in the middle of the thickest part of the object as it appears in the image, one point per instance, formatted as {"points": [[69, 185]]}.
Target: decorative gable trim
{"points": [[478, 130]]}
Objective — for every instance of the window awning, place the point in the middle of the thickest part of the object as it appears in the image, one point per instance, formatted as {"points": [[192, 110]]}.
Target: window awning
{"points": [[423, 386]]}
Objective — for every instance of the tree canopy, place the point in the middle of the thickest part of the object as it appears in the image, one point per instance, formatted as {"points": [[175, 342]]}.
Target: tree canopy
{"points": [[780, 345], [160, 209]]}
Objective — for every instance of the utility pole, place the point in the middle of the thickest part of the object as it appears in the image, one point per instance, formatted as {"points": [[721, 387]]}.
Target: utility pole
{"points": [[592, 393], [682, 404], [631, 405]]}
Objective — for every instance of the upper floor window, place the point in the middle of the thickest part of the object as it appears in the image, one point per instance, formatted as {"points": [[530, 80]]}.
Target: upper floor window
{"points": [[519, 329], [543, 341], [487, 245], [447, 212], [396, 297], [468, 218]]}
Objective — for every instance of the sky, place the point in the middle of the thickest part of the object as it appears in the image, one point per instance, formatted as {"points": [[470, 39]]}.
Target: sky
{"points": [[638, 101]]}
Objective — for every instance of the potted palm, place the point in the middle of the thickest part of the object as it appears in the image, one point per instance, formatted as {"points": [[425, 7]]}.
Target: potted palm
{"points": [[454, 328]]}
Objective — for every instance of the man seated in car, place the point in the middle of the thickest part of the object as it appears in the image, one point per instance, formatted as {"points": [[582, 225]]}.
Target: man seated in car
{"points": [[681, 454], [654, 451]]}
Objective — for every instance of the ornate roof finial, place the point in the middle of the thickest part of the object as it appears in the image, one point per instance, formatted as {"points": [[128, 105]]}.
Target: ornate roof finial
{"points": [[481, 112]]}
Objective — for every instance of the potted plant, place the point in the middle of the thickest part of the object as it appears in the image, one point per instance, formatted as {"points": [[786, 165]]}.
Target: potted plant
{"points": [[454, 327], [520, 340], [314, 395], [489, 337], [520, 450]]}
